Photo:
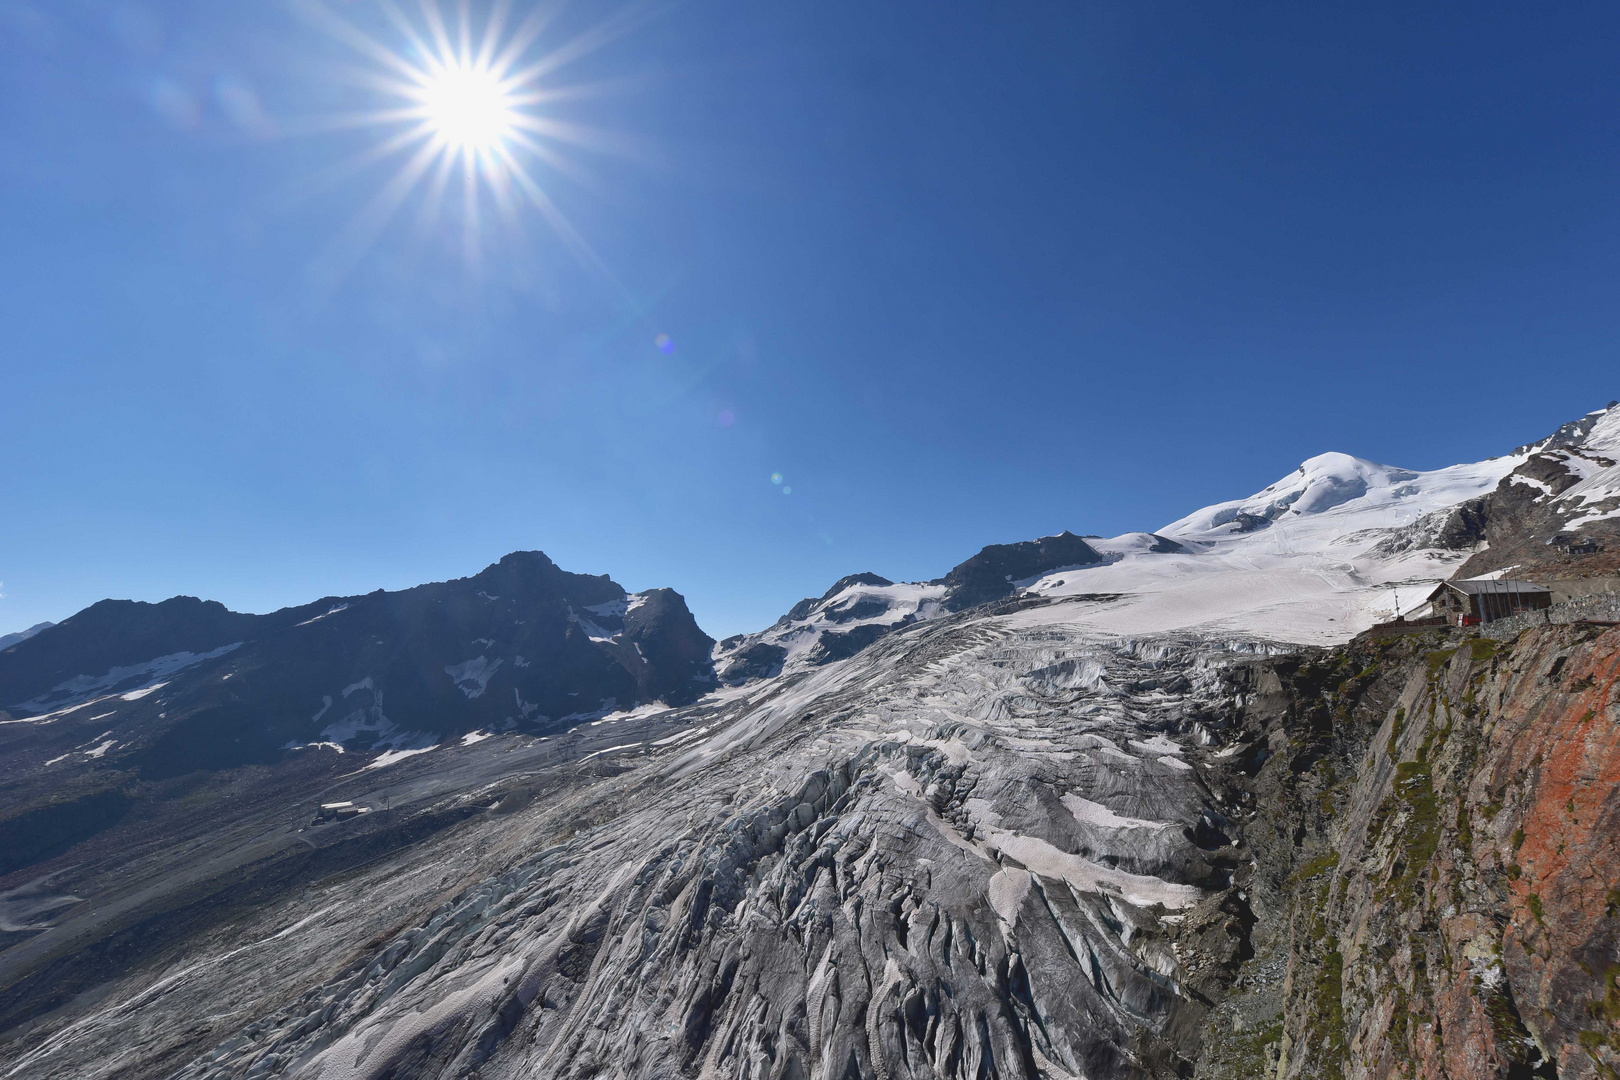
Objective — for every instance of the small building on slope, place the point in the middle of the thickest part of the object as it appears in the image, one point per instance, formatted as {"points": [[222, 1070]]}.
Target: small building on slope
{"points": [[1576, 545], [1469, 603]]}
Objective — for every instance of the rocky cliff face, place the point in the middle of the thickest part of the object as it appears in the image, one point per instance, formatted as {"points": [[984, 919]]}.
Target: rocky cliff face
{"points": [[1436, 861]]}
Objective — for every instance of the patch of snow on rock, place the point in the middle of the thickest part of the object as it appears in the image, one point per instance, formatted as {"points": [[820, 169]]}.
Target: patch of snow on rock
{"points": [[391, 757], [324, 614], [81, 689], [472, 677]]}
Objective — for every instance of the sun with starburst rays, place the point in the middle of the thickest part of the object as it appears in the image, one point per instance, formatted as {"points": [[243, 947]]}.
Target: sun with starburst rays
{"points": [[462, 103]]}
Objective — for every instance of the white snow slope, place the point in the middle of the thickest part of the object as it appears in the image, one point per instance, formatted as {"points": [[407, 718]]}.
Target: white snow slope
{"points": [[1319, 556], [851, 608], [1596, 497], [1337, 545]]}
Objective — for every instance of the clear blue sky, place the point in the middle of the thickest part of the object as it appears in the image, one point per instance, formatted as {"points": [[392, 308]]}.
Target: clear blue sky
{"points": [[960, 274]]}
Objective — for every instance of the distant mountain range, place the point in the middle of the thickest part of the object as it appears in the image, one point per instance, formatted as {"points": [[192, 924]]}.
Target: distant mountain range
{"points": [[8, 640], [526, 646], [186, 684]]}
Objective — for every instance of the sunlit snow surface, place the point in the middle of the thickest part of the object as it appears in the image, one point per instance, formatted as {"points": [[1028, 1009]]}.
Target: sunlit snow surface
{"points": [[1314, 574], [1599, 484], [850, 609]]}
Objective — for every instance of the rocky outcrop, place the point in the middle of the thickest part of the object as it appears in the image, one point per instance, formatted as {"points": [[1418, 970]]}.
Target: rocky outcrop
{"points": [[1568, 486], [676, 667], [1465, 525], [742, 662], [1435, 828], [857, 611], [990, 574]]}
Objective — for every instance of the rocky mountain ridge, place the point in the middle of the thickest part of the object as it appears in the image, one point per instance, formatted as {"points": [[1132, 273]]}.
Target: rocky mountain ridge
{"points": [[8, 640], [861, 608], [521, 644], [1566, 490]]}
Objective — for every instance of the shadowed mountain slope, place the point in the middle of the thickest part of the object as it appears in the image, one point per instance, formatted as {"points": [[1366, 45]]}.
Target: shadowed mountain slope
{"points": [[127, 692]]}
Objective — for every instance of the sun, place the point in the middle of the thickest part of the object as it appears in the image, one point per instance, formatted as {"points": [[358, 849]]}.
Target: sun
{"points": [[470, 109], [465, 106]]}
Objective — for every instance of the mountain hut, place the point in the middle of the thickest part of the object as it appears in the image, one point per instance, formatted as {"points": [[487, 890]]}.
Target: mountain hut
{"points": [[1576, 545], [1469, 603]]}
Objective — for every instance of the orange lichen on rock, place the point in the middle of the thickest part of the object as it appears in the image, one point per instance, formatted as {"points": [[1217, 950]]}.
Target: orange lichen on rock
{"points": [[1560, 944], [1473, 916]]}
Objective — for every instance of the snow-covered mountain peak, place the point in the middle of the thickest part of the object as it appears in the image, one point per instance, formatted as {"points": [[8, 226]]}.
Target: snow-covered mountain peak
{"points": [[1321, 484], [1336, 545], [1332, 479]]}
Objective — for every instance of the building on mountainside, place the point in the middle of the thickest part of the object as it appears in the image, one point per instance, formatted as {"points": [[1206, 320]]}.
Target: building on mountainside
{"points": [[1576, 545], [1469, 603]]}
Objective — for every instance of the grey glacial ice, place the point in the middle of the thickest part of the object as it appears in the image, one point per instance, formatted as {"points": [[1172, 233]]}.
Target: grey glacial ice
{"points": [[975, 849]]}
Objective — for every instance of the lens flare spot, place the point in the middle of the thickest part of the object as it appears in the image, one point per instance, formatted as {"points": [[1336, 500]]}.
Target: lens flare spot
{"points": [[726, 418], [665, 343], [787, 490], [776, 478]]}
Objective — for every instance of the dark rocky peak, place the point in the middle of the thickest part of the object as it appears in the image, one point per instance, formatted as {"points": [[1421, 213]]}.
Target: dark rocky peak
{"points": [[531, 573], [990, 574], [1572, 434], [677, 667], [114, 634], [522, 595], [807, 607], [524, 585]]}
